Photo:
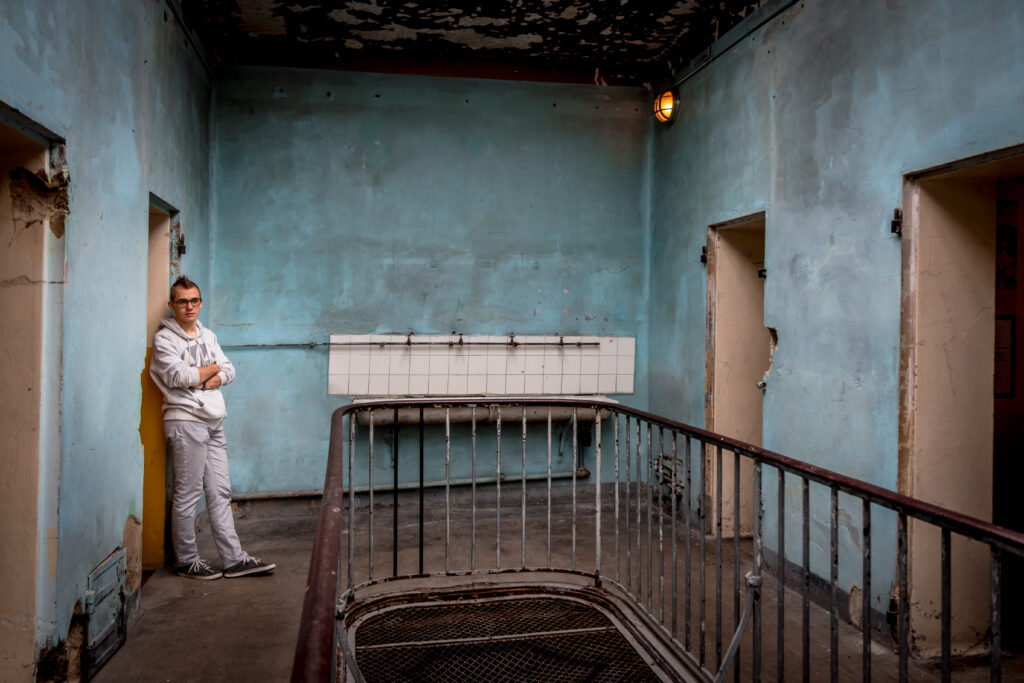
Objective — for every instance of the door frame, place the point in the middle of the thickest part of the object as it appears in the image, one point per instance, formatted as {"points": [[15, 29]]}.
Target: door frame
{"points": [[712, 486], [51, 169], [156, 550], [932, 198]]}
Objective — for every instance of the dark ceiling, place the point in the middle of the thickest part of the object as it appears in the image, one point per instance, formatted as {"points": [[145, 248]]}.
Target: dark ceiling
{"points": [[631, 42]]}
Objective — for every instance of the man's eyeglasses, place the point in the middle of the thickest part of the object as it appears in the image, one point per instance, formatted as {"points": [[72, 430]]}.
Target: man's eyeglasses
{"points": [[182, 303]]}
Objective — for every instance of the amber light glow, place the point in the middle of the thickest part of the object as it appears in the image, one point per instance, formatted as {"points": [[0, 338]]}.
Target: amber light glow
{"points": [[665, 106]]}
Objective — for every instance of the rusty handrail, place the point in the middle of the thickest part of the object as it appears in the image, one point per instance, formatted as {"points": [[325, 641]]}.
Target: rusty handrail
{"points": [[315, 652]]}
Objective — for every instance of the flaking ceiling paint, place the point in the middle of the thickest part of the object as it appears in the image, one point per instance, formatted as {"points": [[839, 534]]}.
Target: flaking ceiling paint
{"points": [[632, 42]]}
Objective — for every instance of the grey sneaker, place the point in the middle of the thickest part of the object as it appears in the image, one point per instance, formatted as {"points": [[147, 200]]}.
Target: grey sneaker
{"points": [[198, 569], [250, 566]]}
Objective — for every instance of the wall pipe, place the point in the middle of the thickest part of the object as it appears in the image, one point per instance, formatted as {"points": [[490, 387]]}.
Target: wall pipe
{"points": [[582, 473]]}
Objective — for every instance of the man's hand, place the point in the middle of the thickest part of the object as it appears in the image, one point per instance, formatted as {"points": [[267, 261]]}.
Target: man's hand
{"points": [[207, 375]]}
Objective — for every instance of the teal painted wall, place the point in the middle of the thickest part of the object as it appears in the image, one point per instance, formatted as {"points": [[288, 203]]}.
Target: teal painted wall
{"points": [[119, 83], [814, 119], [331, 202], [362, 203]]}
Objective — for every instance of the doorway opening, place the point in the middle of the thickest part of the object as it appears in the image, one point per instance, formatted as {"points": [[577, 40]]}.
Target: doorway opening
{"points": [[33, 208], [1008, 437], [960, 413], [156, 536], [739, 348]]}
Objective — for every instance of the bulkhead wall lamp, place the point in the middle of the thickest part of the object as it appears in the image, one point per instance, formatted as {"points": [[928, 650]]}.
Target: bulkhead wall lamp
{"points": [[666, 103]]}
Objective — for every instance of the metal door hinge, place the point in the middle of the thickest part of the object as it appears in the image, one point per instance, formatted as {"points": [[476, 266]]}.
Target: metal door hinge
{"points": [[896, 227]]}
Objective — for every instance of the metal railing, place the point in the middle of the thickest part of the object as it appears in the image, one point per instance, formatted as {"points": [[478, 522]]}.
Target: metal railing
{"points": [[662, 508]]}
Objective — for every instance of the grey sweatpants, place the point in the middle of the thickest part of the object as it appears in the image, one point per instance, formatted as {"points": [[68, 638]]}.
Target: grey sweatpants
{"points": [[200, 463]]}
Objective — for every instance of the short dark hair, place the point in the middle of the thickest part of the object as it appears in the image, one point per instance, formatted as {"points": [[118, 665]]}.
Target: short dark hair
{"points": [[184, 283]]}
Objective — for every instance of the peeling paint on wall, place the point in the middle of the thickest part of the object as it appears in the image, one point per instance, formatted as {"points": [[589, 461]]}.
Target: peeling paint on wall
{"points": [[62, 662], [628, 43], [132, 544], [773, 346], [177, 238], [34, 201], [856, 605]]}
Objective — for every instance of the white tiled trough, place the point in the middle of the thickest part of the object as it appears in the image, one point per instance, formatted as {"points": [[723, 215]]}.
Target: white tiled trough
{"points": [[460, 365]]}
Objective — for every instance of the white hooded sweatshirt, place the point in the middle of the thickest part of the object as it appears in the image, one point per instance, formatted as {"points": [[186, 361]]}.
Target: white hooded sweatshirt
{"points": [[175, 365]]}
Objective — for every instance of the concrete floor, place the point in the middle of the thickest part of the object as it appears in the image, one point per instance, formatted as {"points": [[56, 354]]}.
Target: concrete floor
{"points": [[227, 630], [246, 629]]}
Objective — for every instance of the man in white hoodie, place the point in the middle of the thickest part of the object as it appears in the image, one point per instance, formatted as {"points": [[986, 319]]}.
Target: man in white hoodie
{"points": [[189, 367]]}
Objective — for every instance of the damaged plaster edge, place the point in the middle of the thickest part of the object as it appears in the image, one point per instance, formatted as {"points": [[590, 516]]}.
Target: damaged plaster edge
{"points": [[34, 200], [62, 659], [52, 178], [56, 164], [54, 174], [56, 168], [773, 346]]}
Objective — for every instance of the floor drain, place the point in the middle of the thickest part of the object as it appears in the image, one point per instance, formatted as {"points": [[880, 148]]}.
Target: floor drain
{"points": [[523, 639]]}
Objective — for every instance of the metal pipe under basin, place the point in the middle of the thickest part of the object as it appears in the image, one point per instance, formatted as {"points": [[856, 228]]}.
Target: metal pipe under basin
{"points": [[484, 413], [582, 473]]}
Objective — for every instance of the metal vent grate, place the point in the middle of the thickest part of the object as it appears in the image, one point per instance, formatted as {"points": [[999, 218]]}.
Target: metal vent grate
{"points": [[479, 620], [532, 639]]}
